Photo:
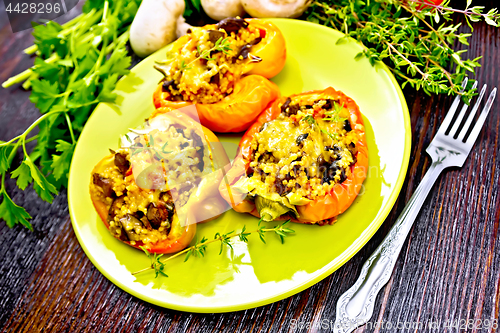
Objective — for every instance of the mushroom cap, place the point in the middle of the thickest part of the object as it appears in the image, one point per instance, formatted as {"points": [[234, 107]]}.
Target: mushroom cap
{"points": [[154, 25], [275, 8], [221, 9]]}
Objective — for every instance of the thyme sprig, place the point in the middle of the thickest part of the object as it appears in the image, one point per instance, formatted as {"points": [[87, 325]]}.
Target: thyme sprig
{"points": [[414, 38], [311, 121], [137, 148], [157, 265], [334, 115], [200, 248], [221, 45]]}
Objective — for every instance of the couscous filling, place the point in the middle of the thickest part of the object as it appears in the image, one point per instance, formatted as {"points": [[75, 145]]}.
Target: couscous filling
{"points": [[303, 153], [205, 69], [143, 182]]}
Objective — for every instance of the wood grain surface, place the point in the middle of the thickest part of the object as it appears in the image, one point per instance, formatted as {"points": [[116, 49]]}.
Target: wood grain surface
{"points": [[448, 270]]}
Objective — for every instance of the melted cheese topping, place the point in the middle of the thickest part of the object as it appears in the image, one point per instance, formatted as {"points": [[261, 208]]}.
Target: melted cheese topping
{"points": [[302, 153], [209, 80], [166, 166]]}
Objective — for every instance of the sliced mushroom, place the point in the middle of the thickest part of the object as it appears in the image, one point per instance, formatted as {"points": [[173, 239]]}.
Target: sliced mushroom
{"points": [[166, 84], [122, 163], [145, 221], [105, 184], [129, 223], [292, 109], [245, 49], [232, 24], [286, 104], [215, 35], [347, 125], [200, 149], [328, 104], [157, 213], [301, 138], [215, 79], [113, 208]]}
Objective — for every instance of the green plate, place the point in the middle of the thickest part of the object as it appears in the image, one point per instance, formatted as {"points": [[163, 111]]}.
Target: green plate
{"points": [[256, 273]]}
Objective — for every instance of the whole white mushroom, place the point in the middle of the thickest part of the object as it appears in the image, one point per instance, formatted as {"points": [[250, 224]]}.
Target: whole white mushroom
{"points": [[221, 9], [275, 8], [182, 27], [155, 25]]}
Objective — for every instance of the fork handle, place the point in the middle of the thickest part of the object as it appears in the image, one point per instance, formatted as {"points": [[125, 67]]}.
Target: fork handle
{"points": [[355, 306]]}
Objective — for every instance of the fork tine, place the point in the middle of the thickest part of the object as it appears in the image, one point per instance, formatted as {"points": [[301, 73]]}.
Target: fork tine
{"points": [[472, 114], [461, 115], [482, 117], [449, 116]]}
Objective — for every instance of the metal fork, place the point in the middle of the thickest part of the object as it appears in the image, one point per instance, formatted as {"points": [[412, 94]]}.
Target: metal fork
{"points": [[355, 306]]}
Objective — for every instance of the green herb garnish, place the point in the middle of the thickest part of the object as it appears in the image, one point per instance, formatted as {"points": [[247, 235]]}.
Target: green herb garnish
{"points": [[311, 121], [77, 67], [200, 248], [221, 45], [334, 115], [414, 37]]}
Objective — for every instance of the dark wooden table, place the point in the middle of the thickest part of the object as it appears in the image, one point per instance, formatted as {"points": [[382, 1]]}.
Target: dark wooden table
{"points": [[449, 268]]}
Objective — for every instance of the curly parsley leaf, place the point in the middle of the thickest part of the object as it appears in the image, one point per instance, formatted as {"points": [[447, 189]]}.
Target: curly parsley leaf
{"points": [[108, 85], [44, 94], [23, 175], [46, 70], [48, 39], [118, 62], [13, 214], [77, 66], [60, 163], [4, 162], [45, 189]]}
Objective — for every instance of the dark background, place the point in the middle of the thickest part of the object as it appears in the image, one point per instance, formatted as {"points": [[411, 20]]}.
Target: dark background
{"points": [[449, 268]]}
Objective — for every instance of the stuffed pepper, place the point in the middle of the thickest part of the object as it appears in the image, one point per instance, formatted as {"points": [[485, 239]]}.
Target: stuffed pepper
{"points": [[162, 181], [224, 69], [304, 159]]}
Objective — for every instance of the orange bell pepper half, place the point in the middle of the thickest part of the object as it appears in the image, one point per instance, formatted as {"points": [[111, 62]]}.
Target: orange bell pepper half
{"points": [[235, 112], [251, 90], [204, 204], [271, 49], [322, 209]]}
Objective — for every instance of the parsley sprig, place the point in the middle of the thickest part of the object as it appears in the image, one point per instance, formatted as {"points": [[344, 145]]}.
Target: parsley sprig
{"points": [[77, 66], [414, 37], [200, 248]]}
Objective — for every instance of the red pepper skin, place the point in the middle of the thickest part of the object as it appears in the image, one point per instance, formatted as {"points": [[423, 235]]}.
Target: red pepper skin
{"points": [[180, 235], [432, 3], [323, 209], [235, 112]]}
